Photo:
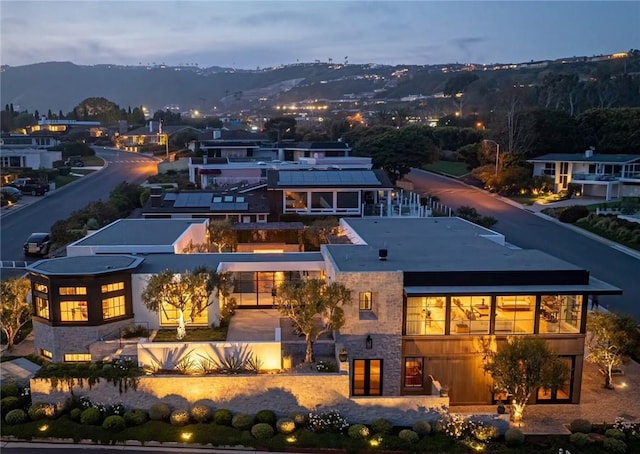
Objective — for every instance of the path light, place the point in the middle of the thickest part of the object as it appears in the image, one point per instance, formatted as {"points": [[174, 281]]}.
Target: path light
{"points": [[43, 428], [291, 439], [186, 436]]}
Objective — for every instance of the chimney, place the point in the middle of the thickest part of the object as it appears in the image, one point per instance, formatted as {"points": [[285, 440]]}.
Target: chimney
{"points": [[156, 197], [382, 254], [589, 153]]}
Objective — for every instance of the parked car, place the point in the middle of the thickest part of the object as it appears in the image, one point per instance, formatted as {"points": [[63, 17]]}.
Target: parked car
{"points": [[30, 186], [37, 244], [11, 194], [74, 161]]}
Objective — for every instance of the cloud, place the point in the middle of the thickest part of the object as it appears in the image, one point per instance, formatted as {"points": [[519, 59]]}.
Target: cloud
{"points": [[465, 45]]}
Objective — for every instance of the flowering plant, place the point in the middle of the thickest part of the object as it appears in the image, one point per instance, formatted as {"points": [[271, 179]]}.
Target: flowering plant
{"points": [[330, 421], [325, 366]]}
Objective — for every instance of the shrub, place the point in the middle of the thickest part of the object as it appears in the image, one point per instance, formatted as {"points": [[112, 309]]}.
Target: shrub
{"points": [[135, 417], [159, 412], [486, 432], [16, 416], [615, 433], [179, 417], [615, 446], [285, 425], [266, 416], [9, 403], [300, 419], [222, 417], [422, 428], [90, 416], [514, 437], [242, 421], [41, 410], [580, 425], [330, 421], [9, 390], [382, 426], [114, 423], [326, 366], [409, 436], [579, 439], [75, 413], [262, 431], [134, 331], [201, 413], [358, 432], [573, 213], [438, 426]]}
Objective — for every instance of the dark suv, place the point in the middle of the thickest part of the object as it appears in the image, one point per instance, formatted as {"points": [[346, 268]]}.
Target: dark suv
{"points": [[30, 186], [37, 244]]}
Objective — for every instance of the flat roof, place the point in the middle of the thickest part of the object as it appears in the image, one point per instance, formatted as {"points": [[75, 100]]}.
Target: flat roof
{"points": [[139, 232], [581, 157], [434, 245], [327, 179], [85, 264]]}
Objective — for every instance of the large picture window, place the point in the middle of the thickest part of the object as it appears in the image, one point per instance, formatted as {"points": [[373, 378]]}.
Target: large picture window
{"points": [[515, 314], [41, 307], [560, 313], [426, 315], [322, 201], [296, 201], [113, 307], [348, 199], [413, 368], [73, 311], [470, 314]]}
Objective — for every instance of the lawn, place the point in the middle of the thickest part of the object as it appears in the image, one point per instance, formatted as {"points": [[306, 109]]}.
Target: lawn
{"points": [[456, 169], [193, 335]]}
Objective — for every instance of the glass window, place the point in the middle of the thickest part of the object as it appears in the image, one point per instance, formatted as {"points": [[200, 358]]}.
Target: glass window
{"points": [[112, 287], [515, 314], [169, 316], [348, 200], [413, 373], [366, 301], [40, 288], [322, 200], [42, 307], [296, 200], [73, 311], [77, 357], [560, 313], [563, 393], [470, 314], [113, 307], [426, 315], [367, 377], [46, 353], [73, 290]]}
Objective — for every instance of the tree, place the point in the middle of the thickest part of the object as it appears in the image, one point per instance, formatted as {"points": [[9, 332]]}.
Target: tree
{"points": [[521, 366], [611, 340], [456, 86], [279, 128], [222, 235], [16, 309], [303, 302], [187, 292]]}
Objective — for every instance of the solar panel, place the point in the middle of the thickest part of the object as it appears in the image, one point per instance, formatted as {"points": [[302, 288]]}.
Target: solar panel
{"points": [[193, 199], [229, 206], [328, 178], [170, 196]]}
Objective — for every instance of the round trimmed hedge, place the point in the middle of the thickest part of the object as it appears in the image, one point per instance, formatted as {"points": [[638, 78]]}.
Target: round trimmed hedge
{"points": [[135, 417], [9, 403], [266, 416], [614, 445], [262, 431], [9, 390], [300, 419], [201, 413], [242, 421], [16, 416], [408, 435], [159, 412], [580, 425], [579, 439], [358, 432], [90, 416], [75, 413], [514, 437], [180, 417], [285, 426], [422, 428], [114, 423], [42, 410], [382, 426], [223, 417]]}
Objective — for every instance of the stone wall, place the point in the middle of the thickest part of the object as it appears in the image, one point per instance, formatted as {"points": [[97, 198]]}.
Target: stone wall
{"points": [[282, 393]]}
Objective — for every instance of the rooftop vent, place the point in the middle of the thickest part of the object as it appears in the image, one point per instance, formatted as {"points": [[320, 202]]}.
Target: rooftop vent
{"points": [[382, 254]]}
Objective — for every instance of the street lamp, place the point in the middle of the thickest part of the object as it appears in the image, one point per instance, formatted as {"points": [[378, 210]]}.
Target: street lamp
{"points": [[497, 151]]}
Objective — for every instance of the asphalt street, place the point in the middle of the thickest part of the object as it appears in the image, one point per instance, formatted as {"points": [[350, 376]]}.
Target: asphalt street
{"points": [[528, 230]]}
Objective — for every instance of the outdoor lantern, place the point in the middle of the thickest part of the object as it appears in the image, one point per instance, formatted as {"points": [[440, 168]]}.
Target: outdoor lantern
{"points": [[369, 342]]}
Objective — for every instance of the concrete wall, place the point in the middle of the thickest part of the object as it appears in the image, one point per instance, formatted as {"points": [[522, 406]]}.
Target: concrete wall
{"points": [[282, 393]]}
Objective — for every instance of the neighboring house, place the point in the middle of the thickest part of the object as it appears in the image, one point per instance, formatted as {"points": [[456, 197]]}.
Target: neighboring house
{"points": [[61, 127], [429, 297], [153, 134], [16, 141], [599, 175], [226, 143], [28, 151]]}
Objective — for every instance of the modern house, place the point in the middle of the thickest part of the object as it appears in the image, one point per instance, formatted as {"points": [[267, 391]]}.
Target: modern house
{"points": [[154, 134], [600, 175], [430, 296], [28, 151]]}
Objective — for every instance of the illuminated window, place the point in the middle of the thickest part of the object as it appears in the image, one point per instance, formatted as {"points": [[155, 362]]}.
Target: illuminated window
{"points": [[426, 315], [169, 316], [77, 357], [413, 373], [40, 288], [470, 314], [112, 287], [367, 377], [46, 353], [73, 290], [560, 314], [113, 307], [73, 311], [366, 301], [515, 314], [42, 307]]}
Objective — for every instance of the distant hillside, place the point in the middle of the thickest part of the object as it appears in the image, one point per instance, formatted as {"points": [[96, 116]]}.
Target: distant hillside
{"points": [[63, 85]]}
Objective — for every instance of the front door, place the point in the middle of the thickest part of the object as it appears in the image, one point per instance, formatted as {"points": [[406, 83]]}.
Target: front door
{"points": [[367, 377]]}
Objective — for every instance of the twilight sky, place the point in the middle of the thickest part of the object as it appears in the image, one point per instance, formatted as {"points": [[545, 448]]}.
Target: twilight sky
{"points": [[247, 34]]}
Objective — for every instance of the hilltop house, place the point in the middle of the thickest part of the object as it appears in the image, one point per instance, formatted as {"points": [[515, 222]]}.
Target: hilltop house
{"points": [[429, 294], [600, 175]]}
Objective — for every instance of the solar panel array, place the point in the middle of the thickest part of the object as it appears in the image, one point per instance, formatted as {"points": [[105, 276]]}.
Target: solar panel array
{"points": [[328, 178], [193, 199], [229, 206]]}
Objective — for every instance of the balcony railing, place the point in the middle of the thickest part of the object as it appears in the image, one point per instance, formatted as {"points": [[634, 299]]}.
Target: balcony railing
{"points": [[594, 177]]}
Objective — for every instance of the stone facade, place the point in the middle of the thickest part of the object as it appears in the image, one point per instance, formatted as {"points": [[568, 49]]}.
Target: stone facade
{"points": [[61, 340], [282, 393]]}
